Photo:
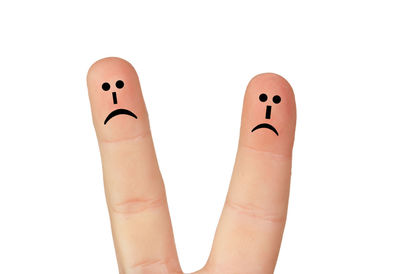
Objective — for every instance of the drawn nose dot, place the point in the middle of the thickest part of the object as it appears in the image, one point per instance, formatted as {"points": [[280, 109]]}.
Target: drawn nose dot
{"points": [[119, 84], [263, 97], [276, 99], [105, 86]]}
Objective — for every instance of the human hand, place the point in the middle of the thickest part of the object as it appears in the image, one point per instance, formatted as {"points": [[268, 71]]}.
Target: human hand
{"points": [[251, 226]]}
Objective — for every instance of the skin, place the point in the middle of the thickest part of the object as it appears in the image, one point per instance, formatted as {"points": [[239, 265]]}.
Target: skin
{"points": [[251, 226]]}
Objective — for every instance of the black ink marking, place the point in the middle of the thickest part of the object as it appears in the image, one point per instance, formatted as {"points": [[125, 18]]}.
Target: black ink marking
{"points": [[105, 86], [276, 99], [268, 112], [268, 126], [119, 112], [114, 97], [263, 97], [119, 84]]}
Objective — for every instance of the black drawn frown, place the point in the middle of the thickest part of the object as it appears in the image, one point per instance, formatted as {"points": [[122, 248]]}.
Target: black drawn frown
{"points": [[268, 111], [119, 85]]}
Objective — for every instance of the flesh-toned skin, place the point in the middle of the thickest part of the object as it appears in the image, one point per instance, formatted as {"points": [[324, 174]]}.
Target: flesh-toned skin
{"points": [[251, 226]]}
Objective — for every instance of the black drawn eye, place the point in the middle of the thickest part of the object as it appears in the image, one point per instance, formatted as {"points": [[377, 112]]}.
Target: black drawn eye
{"points": [[263, 97], [105, 86], [119, 84], [276, 99]]}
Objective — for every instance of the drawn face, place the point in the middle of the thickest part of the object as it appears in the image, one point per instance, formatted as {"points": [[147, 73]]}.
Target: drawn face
{"points": [[276, 99], [269, 115], [118, 87], [116, 99]]}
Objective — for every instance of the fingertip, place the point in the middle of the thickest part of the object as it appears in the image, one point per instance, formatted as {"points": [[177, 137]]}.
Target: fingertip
{"points": [[117, 104], [269, 114], [102, 66]]}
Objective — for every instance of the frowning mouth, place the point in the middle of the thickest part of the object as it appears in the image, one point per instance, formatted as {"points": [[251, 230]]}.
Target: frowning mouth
{"points": [[119, 111], [268, 126]]}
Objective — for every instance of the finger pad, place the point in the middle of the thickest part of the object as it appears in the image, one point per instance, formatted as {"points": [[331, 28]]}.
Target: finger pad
{"points": [[269, 114], [113, 84]]}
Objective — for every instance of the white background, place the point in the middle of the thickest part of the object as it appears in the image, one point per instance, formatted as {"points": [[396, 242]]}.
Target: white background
{"points": [[194, 59]]}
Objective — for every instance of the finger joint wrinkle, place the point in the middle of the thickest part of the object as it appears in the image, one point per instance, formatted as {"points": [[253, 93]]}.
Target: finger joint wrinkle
{"points": [[255, 212], [127, 139], [151, 266], [269, 153], [137, 205]]}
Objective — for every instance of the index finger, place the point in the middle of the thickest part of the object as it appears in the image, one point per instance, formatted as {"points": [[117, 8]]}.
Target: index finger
{"points": [[135, 192]]}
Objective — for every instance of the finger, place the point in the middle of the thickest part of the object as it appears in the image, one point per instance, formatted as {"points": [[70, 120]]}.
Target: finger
{"points": [[135, 193], [249, 233]]}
